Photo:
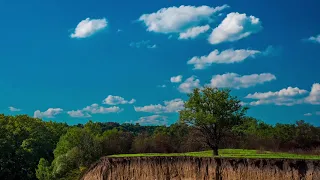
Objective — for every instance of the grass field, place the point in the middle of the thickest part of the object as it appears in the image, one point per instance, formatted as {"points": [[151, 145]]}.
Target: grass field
{"points": [[230, 153]]}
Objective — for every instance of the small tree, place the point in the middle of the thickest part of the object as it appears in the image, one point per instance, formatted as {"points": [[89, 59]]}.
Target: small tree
{"points": [[213, 112]]}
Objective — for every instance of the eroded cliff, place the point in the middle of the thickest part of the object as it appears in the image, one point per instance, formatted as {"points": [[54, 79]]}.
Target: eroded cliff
{"points": [[196, 168]]}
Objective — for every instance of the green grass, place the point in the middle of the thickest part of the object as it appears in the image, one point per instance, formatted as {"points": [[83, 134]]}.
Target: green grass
{"points": [[230, 153]]}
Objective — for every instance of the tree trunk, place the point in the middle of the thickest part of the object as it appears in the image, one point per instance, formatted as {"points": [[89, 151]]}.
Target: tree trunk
{"points": [[215, 151]]}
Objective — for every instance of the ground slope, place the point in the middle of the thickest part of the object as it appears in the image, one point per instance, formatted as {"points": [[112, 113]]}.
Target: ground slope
{"points": [[202, 168]]}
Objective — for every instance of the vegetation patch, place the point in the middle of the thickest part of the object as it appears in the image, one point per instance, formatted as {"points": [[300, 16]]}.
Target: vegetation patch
{"points": [[211, 119], [229, 153]]}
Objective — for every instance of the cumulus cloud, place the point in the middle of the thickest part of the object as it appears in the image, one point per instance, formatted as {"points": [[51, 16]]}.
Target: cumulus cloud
{"points": [[88, 27], [50, 113], [286, 92], [78, 114], [178, 19], [277, 101], [315, 39], [314, 96], [194, 32], [13, 109], [235, 27], [226, 57], [233, 80], [172, 106], [176, 79], [189, 84], [153, 120], [287, 96], [96, 109], [143, 43], [115, 100], [308, 114]]}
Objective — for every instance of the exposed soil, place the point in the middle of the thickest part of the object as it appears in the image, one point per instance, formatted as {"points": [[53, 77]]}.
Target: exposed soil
{"points": [[196, 168]]}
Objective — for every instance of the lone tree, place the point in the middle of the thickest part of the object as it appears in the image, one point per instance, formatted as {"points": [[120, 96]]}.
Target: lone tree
{"points": [[213, 112]]}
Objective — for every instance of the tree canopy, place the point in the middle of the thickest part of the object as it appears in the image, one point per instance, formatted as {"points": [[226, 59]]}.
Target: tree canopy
{"points": [[31, 148], [214, 112]]}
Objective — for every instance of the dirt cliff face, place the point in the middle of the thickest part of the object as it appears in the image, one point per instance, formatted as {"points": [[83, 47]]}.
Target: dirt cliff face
{"points": [[194, 168]]}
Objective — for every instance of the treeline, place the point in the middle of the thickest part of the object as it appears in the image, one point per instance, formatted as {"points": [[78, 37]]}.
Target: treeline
{"points": [[34, 149]]}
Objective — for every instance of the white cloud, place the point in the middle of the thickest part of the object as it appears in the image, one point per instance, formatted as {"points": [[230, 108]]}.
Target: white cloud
{"points": [[178, 19], [234, 27], [88, 27], [50, 113], [227, 56], [286, 96], [194, 32], [233, 80], [162, 86], [143, 43], [13, 109], [314, 96], [78, 114], [153, 120], [157, 108], [139, 44], [315, 39], [152, 46], [176, 79], [272, 51], [96, 109], [286, 92], [114, 100], [174, 105], [308, 114], [281, 101], [189, 84]]}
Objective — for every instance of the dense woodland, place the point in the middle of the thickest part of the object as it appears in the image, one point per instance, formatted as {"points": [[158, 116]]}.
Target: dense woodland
{"points": [[211, 119], [31, 148]]}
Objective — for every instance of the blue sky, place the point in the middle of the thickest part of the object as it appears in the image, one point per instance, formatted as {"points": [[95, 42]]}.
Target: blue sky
{"points": [[133, 61]]}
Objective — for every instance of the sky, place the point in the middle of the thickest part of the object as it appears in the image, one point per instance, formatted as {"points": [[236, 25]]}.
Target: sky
{"points": [[135, 61]]}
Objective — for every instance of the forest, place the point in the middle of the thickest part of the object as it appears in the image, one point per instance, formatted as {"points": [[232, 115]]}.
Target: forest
{"points": [[35, 149], [32, 148]]}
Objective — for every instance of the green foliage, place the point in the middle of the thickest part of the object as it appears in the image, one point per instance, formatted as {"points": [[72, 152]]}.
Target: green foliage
{"points": [[137, 128], [230, 153], [78, 147], [93, 128], [23, 141], [214, 112], [115, 141], [43, 171], [81, 145], [31, 148], [142, 143]]}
